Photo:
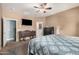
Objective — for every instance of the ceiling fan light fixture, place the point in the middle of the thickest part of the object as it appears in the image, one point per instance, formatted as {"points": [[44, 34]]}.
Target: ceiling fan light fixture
{"points": [[43, 7]]}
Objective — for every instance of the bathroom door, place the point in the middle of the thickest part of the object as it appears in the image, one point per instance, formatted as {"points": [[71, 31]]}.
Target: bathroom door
{"points": [[9, 31], [39, 29]]}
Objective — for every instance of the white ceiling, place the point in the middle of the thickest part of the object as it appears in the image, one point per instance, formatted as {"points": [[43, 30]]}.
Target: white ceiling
{"points": [[28, 9]]}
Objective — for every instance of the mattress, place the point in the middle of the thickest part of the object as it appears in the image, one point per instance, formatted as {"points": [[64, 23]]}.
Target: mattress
{"points": [[54, 45]]}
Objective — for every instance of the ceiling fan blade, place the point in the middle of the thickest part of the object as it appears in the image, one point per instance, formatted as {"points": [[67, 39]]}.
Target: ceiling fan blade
{"points": [[48, 8], [36, 7], [45, 4]]}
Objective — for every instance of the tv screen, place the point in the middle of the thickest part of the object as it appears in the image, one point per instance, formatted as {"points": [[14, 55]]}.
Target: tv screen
{"points": [[26, 22]]}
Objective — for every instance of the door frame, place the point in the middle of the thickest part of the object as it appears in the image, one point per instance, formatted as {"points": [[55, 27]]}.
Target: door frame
{"points": [[4, 18], [39, 29]]}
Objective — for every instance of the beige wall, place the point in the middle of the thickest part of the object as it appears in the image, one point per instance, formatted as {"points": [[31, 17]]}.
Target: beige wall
{"points": [[68, 21]]}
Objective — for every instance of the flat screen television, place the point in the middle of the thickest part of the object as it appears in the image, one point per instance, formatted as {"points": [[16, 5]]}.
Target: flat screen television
{"points": [[27, 22]]}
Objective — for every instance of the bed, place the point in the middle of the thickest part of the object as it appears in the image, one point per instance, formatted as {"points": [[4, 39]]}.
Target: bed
{"points": [[54, 45]]}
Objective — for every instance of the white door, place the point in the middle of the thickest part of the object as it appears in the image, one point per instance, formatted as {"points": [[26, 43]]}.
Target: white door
{"points": [[39, 29]]}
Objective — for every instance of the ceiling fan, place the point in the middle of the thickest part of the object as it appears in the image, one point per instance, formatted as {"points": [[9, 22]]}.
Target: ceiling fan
{"points": [[43, 7]]}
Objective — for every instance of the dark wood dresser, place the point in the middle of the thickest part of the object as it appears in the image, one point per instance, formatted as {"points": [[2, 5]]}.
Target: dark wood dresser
{"points": [[27, 33]]}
